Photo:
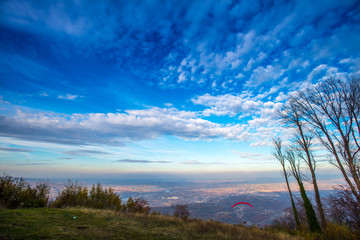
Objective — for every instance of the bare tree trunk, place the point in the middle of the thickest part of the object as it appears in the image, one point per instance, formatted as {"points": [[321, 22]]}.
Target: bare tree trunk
{"points": [[310, 161], [310, 213], [296, 216], [279, 155], [318, 201], [292, 116]]}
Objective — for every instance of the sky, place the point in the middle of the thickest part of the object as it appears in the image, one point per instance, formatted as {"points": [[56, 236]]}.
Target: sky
{"points": [[159, 87]]}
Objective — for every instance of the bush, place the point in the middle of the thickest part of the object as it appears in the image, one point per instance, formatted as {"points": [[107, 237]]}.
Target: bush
{"points": [[137, 205], [334, 231], [74, 195], [17, 193], [103, 198]]}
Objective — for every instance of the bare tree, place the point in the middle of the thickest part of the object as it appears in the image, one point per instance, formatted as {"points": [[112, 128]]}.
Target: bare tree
{"points": [[290, 114], [332, 109], [279, 155], [295, 171], [181, 210]]}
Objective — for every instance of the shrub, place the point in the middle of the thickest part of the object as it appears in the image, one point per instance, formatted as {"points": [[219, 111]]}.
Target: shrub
{"points": [[74, 195], [137, 205], [334, 231], [17, 193], [103, 198]]}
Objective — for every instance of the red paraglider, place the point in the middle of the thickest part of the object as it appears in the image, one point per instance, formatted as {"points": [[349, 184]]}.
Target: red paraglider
{"points": [[241, 203]]}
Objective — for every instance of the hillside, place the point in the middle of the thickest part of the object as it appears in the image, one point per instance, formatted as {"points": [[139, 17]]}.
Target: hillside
{"points": [[49, 223]]}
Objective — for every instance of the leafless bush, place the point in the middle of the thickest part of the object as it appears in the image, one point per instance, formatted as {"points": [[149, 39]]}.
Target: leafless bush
{"points": [[181, 210]]}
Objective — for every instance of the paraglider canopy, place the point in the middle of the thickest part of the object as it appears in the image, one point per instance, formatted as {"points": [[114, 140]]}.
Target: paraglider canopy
{"points": [[241, 203]]}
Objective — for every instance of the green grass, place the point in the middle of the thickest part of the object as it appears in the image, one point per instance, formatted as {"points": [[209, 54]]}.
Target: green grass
{"points": [[50, 223]]}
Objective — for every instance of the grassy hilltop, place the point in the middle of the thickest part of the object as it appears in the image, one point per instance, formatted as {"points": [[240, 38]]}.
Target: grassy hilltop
{"points": [[79, 212], [81, 223]]}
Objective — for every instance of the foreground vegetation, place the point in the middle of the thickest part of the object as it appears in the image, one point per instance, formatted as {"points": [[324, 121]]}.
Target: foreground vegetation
{"points": [[97, 213], [81, 223]]}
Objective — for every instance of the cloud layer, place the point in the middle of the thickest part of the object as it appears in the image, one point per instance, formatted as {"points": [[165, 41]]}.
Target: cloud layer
{"points": [[253, 119], [113, 128]]}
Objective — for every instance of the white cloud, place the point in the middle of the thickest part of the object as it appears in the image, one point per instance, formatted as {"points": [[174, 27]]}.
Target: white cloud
{"points": [[191, 162], [281, 97], [249, 64], [181, 78], [2, 101], [316, 71], [345, 60], [44, 94], [261, 75], [68, 96], [262, 118], [261, 56], [134, 125], [249, 155], [114, 128], [227, 104], [240, 75]]}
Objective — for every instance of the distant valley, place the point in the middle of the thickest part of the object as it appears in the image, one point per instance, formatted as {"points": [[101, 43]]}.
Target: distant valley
{"points": [[267, 207], [205, 199]]}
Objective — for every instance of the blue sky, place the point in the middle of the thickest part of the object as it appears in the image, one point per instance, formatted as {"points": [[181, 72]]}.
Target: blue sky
{"points": [[111, 87]]}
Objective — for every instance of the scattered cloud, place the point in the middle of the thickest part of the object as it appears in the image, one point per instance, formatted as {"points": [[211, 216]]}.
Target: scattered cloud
{"points": [[13, 149], [140, 161], [262, 75], [44, 94], [247, 155], [68, 97], [195, 162], [2, 101], [227, 104], [317, 70], [192, 162], [84, 153], [34, 164]]}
